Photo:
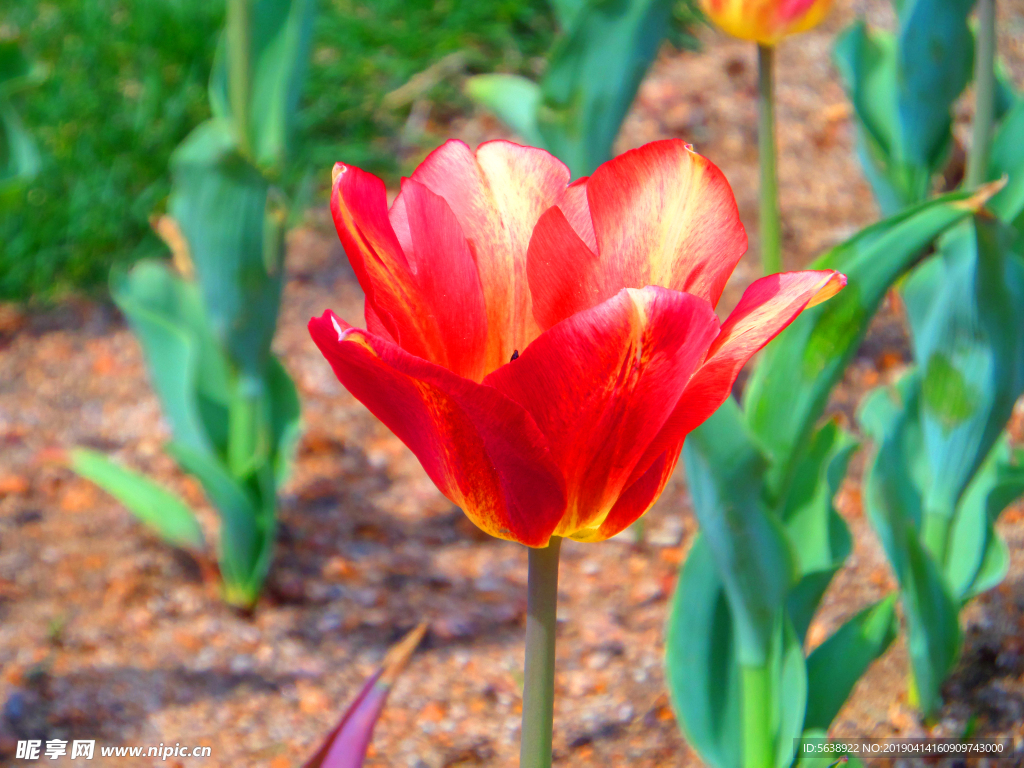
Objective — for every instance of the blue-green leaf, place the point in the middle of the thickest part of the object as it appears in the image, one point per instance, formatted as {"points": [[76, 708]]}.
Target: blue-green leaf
{"points": [[893, 493], [790, 386], [978, 557], [903, 87], [235, 229], [700, 660], [818, 534], [966, 309], [279, 51], [724, 471], [593, 75], [835, 666], [244, 534]]}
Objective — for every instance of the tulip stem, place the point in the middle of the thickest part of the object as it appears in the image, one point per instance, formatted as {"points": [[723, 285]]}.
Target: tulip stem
{"points": [[984, 93], [238, 31], [755, 682], [771, 229], [539, 671]]}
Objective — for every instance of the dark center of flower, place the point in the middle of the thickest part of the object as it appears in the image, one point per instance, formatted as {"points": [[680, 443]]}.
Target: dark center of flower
{"points": [[515, 354]]}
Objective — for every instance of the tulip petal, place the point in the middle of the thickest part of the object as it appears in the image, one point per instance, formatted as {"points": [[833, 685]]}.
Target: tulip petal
{"points": [[601, 384], [360, 210], [482, 450], [564, 272], [665, 215], [662, 215], [421, 283], [574, 205], [347, 743], [639, 496], [497, 196], [445, 277], [767, 307]]}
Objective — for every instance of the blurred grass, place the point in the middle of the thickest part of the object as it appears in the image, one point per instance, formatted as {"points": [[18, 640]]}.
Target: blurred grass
{"points": [[127, 82]]}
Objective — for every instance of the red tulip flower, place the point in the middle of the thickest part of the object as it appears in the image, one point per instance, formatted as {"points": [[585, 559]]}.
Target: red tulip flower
{"points": [[545, 347]]}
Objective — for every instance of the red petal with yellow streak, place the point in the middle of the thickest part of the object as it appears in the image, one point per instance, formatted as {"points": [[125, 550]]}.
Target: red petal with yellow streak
{"points": [[497, 196], [767, 307], [661, 214], [481, 449], [416, 268], [601, 384]]}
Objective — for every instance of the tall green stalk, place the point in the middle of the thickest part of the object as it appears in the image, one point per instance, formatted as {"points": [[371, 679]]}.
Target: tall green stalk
{"points": [[239, 67], [984, 93], [755, 681], [771, 229], [539, 671]]}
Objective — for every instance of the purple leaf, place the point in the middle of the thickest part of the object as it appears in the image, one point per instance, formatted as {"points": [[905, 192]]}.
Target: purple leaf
{"points": [[346, 745]]}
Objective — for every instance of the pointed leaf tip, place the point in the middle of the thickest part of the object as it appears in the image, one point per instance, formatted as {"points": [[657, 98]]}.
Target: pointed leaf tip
{"points": [[982, 195], [400, 654], [346, 745]]}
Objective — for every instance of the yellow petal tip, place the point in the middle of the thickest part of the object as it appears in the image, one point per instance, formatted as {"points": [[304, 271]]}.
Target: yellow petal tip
{"points": [[833, 285]]}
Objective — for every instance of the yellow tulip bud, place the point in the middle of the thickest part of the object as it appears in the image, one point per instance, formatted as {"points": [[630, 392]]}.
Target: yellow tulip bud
{"points": [[765, 21]]}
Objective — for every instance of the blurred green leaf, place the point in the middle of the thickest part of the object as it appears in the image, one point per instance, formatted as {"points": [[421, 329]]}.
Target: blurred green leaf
{"points": [[593, 75], [700, 661], [19, 157], [978, 557], [157, 304], [750, 548], [892, 497], [279, 51], [246, 535], [1006, 158], [234, 231], [703, 667], [903, 87], [285, 415], [514, 99], [835, 666], [819, 536], [156, 507], [966, 311], [790, 386]]}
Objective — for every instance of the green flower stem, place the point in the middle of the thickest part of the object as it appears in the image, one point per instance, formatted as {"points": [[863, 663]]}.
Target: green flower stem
{"points": [[755, 681], [238, 29], [984, 93], [539, 672], [935, 534], [771, 229]]}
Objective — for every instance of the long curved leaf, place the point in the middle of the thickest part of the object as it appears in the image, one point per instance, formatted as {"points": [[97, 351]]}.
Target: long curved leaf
{"points": [[789, 388]]}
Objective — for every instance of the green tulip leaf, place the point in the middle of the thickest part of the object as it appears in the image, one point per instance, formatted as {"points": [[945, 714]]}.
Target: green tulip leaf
{"points": [[818, 534], [903, 87], [153, 505], [593, 75], [700, 660], [966, 309], [515, 100], [285, 419], [790, 386], [279, 52], [978, 557], [246, 535], [234, 229], [835, 666], [893, 494], [751, 551]]}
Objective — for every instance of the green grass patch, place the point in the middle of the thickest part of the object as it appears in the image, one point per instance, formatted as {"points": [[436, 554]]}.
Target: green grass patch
{"points": [[127, 82]]}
